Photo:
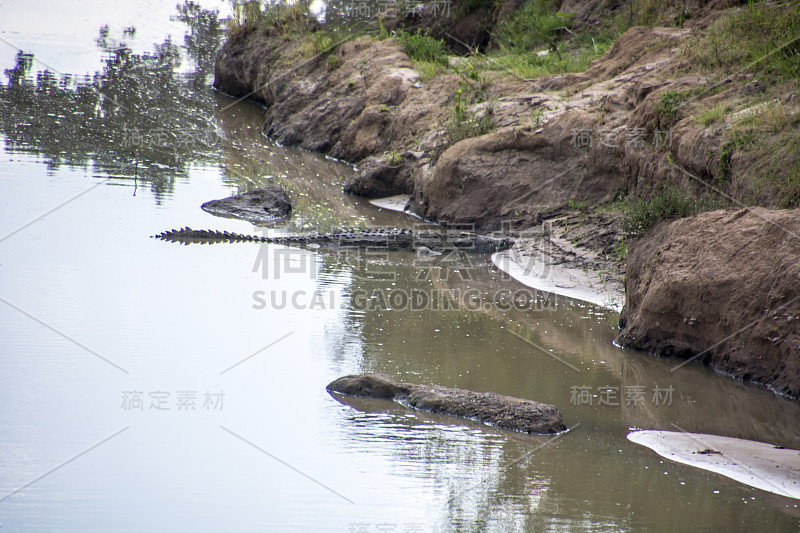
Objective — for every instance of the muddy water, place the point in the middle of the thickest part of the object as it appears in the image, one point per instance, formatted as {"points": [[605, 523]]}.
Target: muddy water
{"points": [[146, 386]]}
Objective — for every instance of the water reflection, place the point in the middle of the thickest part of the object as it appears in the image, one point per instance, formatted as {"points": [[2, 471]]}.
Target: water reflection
{"points": [[138, 115]]}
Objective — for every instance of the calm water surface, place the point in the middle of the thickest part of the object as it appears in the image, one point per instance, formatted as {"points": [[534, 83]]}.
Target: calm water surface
{"points": [[146, 386]]}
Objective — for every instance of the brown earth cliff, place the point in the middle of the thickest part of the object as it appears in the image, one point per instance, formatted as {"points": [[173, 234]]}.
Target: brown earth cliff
{"points": [[723, 287]]}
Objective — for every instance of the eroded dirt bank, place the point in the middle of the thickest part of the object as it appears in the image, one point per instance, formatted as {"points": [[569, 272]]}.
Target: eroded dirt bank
{"points": [[723, 287], [561, 148]]}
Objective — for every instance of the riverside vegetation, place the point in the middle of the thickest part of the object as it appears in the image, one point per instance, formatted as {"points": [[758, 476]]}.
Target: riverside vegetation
{"points": [[607, 120]]}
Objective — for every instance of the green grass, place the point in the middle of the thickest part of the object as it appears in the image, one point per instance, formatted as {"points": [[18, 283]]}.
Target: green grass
{"points": [[334, 62], [535, 25], [761, 38], [789, 188], [245, 16], [538, 27], [621, 250], [577, 205], [667, 108], [428, 70], [737, 141], [641, 214], [392, 157], [464, 124], [712, 115], [770, 134], [421, 47]]}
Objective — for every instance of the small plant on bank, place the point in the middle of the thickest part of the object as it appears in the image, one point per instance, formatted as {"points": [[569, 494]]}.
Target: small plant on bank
{"points": [[789, 188], [739, 141], [322, 41], [464, 124], [621, 250], [245, 16], [667, 108], [428, 70], [536, 25], [641, 214], [393, 157], [363, 69], [536, 118], [711, 115], [334, 62], [421, 47], [769, 133], [577, 205], [290, 19]]}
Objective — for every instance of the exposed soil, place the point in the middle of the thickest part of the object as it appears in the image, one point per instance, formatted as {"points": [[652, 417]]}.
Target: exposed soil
{"points": [[722, 287]]}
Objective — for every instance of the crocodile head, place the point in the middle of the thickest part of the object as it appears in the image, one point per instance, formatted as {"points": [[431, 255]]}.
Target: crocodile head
{"points": [[483, 243]]}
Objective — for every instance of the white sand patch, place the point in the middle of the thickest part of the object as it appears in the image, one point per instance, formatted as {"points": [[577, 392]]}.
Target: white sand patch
{"points": [[540, 271], [756, 464], [393, 203]]}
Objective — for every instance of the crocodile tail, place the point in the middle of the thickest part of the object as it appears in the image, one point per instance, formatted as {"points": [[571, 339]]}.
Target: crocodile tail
{"points": [[188, 235]]}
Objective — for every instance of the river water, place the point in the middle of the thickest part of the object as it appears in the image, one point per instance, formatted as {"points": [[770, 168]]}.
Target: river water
{"points": [[147, 386]]}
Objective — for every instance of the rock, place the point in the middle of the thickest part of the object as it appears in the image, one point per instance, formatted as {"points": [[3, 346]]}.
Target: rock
{"points": [[504, 412], [724, 286], [258, 206], [377, 178], [516, 174]]}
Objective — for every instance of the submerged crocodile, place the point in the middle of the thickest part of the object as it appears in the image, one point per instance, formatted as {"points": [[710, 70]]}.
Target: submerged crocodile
{"points": [[381, 238]]}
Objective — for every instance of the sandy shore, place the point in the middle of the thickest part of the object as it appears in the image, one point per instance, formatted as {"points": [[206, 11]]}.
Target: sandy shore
{"points": [[393, 203], [544, 272], [756, 464]]}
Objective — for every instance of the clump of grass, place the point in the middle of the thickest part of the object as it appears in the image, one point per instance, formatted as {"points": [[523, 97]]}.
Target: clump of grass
{"points": [[393, 157], [428, 70], [772, 137], [245, 16], [535, 25], [289, 18], [789, 188], [641, 214], [621, 250], [770, 134], [322, 41], [334, 62], [538, 40], [420, 47], [577, 205], [470, 127], [761, 37], [739, 140], [667, 108], [711, 115], [464, 124]]}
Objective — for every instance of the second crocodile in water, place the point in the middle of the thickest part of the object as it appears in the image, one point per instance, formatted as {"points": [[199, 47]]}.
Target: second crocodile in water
{"points": [[379, 238]]}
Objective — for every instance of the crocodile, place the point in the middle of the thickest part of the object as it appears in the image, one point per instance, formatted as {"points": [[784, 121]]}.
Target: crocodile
{"points": [[378, 238], [498, 410]]}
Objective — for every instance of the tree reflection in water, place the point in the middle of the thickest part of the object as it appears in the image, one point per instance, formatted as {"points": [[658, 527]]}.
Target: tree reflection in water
{"points": [[140, 113]]}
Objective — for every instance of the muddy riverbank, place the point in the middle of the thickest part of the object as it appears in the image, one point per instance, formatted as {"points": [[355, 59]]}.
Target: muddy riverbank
{"points": [[558, 153]]}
